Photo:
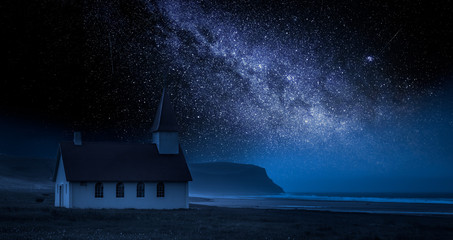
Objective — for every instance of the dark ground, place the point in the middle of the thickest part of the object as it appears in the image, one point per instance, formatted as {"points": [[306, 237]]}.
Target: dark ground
{"points": [[30, 215]]}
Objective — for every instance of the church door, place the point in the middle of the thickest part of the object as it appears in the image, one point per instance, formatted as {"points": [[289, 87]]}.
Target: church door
{"points": [[60, 190]]}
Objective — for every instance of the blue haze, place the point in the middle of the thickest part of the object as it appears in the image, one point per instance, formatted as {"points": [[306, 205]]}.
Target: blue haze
{"points": [[316, 100]]}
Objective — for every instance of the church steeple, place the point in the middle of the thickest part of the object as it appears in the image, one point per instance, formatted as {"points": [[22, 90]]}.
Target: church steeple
{"points": [[165, 120], [165, 128]]}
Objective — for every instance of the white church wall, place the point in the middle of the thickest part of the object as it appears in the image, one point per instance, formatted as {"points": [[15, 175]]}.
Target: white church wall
{"points": [[62, 191], [167, 142], [176, 196]]}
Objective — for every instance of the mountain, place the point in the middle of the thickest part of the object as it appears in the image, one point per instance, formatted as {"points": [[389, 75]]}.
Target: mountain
{"points": [[219, 178], [224, 178], [25, 173]]}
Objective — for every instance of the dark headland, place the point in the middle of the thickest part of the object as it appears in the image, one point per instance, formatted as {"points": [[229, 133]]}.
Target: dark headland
{"points": [[219, 178], [224, 178]]}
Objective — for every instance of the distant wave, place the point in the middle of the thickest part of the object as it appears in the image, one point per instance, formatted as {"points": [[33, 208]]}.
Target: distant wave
{"points": [[384, 203], [362, 211], [361, 199], [344, 198]]}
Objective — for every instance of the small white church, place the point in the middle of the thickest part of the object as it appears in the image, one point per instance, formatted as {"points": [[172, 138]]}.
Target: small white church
{"points": [[125, 175]]}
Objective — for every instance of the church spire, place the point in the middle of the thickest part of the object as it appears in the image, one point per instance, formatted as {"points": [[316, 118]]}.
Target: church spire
{"points": [[165, 120], [165, 128]]}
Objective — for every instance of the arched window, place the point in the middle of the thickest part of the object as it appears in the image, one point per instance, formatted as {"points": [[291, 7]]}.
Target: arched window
{"points": [[98, 190], [120, 190], [160, 189], [140, 189]]}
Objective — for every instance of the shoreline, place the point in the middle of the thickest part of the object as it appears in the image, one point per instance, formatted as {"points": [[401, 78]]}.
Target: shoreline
{"points": [[266, 202]]}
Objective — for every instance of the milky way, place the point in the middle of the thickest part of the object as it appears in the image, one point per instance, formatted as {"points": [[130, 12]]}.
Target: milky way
{"points": [[277, 88], [307, 89], [253, 78]]}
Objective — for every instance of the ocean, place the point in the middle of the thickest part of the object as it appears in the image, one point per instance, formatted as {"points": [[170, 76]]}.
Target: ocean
{"points": [[383, 203], [435, 198]]}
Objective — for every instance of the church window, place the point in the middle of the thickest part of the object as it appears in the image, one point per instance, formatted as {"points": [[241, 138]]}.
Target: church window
{"points": [[160, 189], [119, 190], [98, 190], [140, 190]]}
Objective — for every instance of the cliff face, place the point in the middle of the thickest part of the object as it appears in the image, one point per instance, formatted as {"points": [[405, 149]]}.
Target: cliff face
{"points": [[220, 178], [223, 178]]}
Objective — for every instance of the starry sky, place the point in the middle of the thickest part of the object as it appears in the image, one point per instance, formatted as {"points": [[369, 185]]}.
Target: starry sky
{"points": [[323, 94]]}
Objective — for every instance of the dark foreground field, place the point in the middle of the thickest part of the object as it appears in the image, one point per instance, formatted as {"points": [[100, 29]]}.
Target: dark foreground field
{"points": [[31, 216]]}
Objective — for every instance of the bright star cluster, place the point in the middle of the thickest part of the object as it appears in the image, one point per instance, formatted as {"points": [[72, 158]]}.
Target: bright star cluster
{"points": [[298, 87], [292, 85], [277, 79]]}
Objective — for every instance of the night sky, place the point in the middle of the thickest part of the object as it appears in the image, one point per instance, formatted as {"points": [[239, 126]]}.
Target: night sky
{"points": [[326, 95]]}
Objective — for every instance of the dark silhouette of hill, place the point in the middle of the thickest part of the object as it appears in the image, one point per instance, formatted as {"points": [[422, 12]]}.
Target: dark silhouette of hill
{"points": [[25, 173], [224, 178]]}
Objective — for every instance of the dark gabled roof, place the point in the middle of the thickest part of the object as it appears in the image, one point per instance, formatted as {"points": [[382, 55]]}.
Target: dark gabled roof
{"points": [[165, 120], [102, 161]]}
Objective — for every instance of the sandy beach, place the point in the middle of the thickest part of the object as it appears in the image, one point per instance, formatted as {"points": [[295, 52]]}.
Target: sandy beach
{"points": [[30, 215]]}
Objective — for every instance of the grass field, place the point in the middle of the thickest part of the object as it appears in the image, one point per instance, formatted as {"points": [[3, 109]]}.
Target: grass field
{"points": [[30, 215]]}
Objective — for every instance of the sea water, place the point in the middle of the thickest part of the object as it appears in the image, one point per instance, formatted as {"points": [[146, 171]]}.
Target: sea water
{"points": [[435, 198], [389, 203]]}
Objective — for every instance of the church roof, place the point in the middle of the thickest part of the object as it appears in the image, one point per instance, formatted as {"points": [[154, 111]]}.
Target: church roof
{"points": [[103, 161], [165, 120]]}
